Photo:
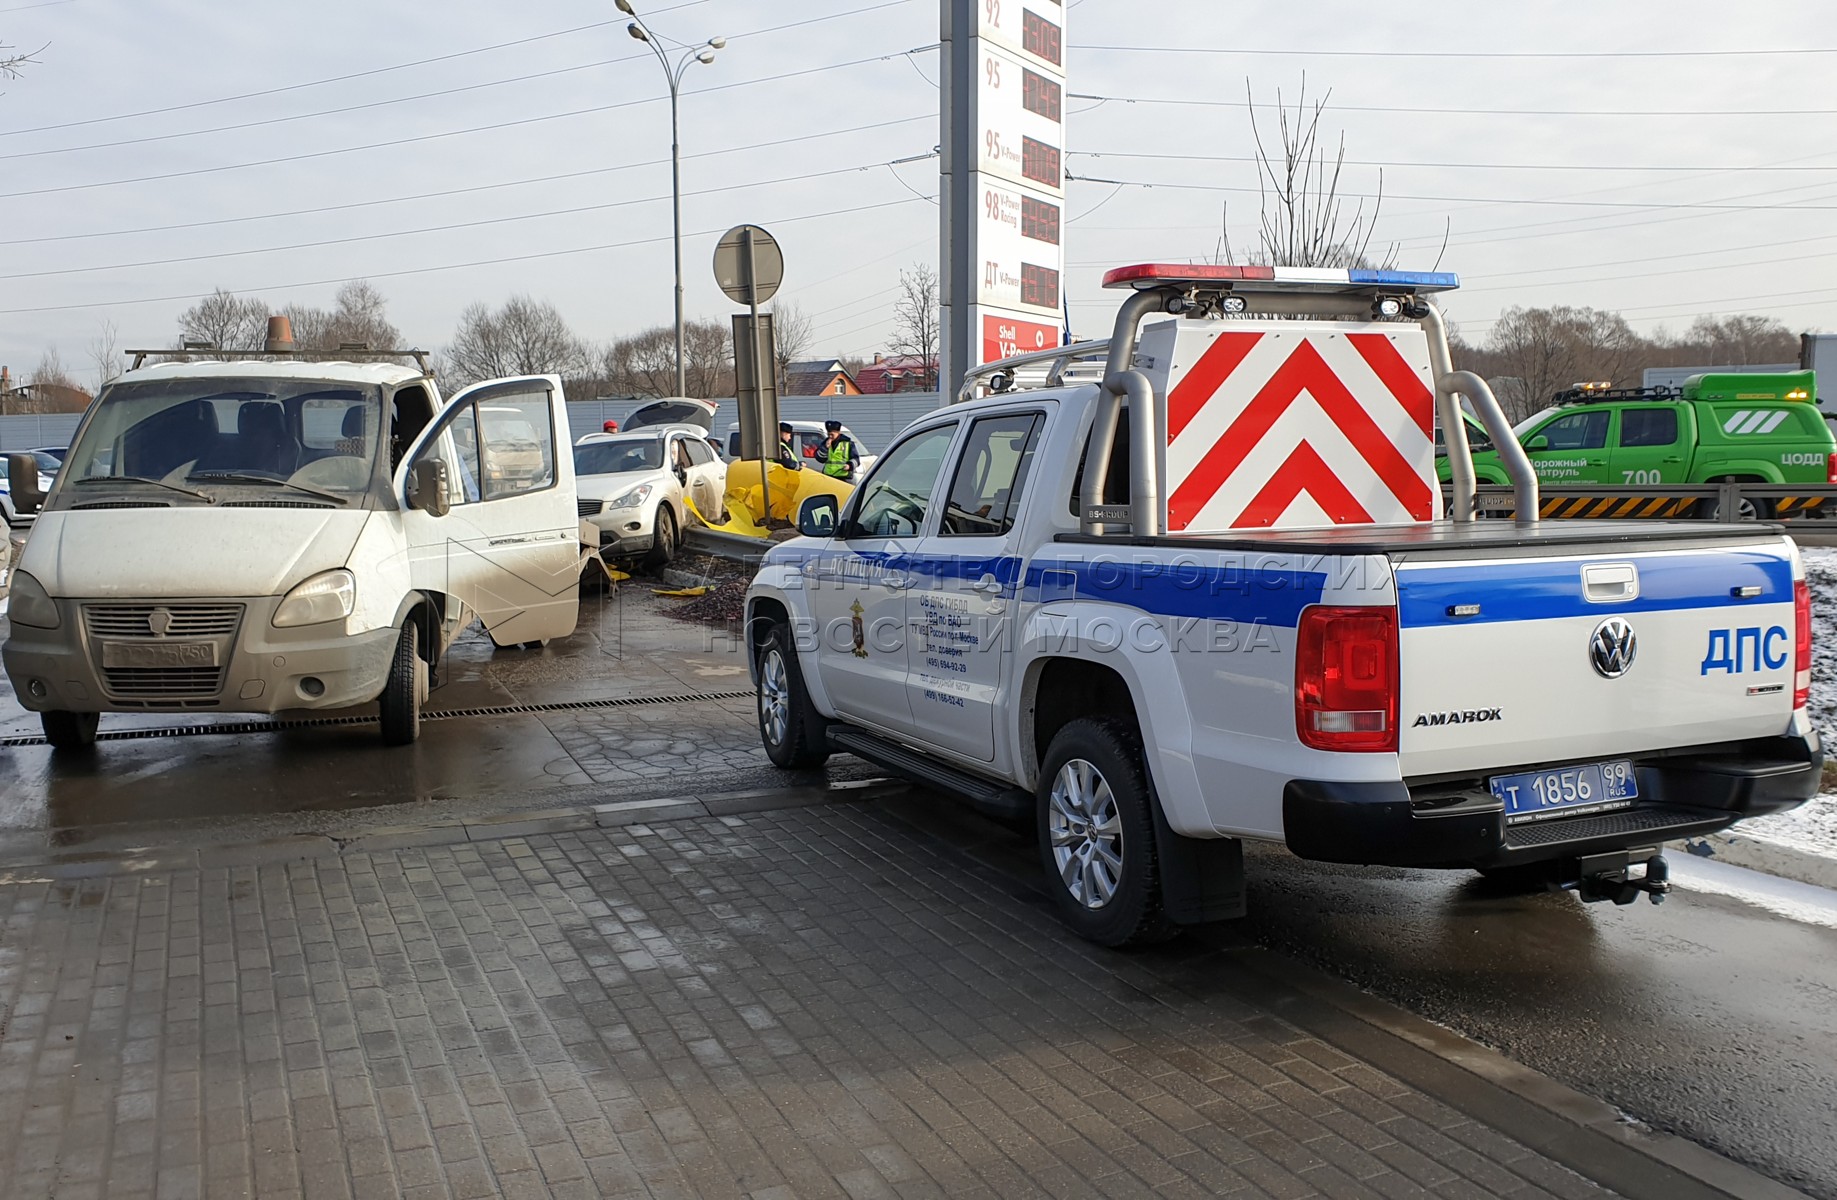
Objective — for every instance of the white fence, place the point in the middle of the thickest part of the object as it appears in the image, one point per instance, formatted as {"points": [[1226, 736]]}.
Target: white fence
{"points": [[29, 431]]}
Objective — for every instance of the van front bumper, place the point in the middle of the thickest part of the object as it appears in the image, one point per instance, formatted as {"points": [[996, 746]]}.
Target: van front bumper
{"points": [[260, 669], [1682, 793]]}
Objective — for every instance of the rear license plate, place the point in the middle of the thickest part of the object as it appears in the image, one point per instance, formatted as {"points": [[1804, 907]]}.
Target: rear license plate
{"points": [[1562, 791], [159, 654]]}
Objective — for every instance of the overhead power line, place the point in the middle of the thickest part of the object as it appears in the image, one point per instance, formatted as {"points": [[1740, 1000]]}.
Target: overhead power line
{"points": [[1311, 53], [1475, 112], [1592, 168], [313, 83], [1209, 187], [459, 191], [477, 224], [483, 262], [453, 91], [430, 137]]}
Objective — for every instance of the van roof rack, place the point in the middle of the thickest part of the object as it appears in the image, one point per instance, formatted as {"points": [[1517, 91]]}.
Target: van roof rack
{"points": [[345, 353]]}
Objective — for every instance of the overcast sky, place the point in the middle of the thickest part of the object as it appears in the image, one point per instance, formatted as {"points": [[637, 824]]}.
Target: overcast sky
{"points": [[544, 166]]}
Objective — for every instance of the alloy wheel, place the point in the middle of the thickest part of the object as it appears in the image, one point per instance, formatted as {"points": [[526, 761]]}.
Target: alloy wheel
{"points": [[774, 697], [1087, 834]]}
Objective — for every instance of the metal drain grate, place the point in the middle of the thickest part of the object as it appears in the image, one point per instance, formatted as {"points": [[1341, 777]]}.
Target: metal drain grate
{"points": [[231, 729]]}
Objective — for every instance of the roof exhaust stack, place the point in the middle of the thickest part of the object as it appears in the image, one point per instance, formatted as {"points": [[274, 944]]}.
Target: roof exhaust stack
{"points": [[280, 336]]}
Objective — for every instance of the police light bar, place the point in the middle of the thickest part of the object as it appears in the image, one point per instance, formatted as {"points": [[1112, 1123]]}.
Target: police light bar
{"points": [[1280, 279]]}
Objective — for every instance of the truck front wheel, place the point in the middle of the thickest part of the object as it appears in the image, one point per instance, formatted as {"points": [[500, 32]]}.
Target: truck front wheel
{"points": [[1097, 839]]}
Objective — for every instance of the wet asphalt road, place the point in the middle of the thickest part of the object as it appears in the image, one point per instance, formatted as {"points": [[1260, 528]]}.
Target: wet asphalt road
{"points": [[1709, 1017]]}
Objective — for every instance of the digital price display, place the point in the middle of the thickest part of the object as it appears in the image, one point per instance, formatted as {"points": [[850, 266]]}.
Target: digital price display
{"points": [[1041, 38], [1042, 97], [1039, 220], [1040, 163], [1039, 286]]}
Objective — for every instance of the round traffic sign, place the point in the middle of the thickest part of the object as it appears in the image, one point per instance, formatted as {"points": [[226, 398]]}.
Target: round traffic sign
{"points": [[731, 265]]}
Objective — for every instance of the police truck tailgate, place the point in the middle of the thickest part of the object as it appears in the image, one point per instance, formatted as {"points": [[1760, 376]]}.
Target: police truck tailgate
{"points": [[1543, 659]]}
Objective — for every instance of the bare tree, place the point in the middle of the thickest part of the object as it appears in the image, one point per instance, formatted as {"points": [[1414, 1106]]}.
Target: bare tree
{"points": [[105, 355], [1537, 352], [12, 58], [793, 333], [1303, 220], [1739, 340], [358, 317], [226, 321], [525, 337], [916, 320], [645, 363]]}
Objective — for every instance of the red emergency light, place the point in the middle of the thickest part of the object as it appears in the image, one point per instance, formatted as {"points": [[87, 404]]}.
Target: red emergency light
{"points": [[1184, 273]]}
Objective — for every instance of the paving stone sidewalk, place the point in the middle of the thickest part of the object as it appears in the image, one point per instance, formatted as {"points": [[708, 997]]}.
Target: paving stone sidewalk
{"points": [[805, 1002]]}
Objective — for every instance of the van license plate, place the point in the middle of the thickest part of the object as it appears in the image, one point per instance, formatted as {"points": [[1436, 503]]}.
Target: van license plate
{"points": [[1563, 791], [159, 654]]}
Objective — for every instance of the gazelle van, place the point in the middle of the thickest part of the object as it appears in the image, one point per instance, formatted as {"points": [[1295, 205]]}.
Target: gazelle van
{"points": [[266, 535]]}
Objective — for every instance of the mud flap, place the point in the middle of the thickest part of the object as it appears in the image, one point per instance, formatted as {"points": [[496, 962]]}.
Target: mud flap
{"points": [[1202, 879]]}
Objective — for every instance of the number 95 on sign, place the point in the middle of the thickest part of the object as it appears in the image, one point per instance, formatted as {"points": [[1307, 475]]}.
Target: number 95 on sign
{"points": [[1561, 791]]}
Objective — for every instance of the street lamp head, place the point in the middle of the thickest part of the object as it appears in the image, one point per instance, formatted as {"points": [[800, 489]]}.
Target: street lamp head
{"points": [[625, 7], [717, 43], [706, 56], [636, 31]]}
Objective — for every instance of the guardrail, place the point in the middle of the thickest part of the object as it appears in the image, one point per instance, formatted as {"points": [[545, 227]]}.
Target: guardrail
{"points": [[1770, 501]]}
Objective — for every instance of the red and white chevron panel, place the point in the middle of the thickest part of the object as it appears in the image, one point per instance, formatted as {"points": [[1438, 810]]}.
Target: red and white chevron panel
{"points": [[1296, 424]]}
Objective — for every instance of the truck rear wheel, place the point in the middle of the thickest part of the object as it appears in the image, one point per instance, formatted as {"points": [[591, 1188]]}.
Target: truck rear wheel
{"points": [[400, 703], [1097, 838], [789, 725], [70, 730]]}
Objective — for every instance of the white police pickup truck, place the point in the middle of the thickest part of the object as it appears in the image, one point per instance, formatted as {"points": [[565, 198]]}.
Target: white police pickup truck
{"points": [[1197, 586]]}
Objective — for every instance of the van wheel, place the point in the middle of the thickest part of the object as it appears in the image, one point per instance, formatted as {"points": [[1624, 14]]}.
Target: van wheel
{"points": [[400, 703], [793, 731], [1097, 839], [663, 545], [70, 730]]}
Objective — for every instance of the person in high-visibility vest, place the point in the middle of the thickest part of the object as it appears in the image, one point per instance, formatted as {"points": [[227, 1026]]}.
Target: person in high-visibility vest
{"points": [[840, 458]]}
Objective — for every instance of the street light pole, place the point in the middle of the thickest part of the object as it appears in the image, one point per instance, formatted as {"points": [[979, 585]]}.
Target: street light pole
{"points": [[673, 76]]}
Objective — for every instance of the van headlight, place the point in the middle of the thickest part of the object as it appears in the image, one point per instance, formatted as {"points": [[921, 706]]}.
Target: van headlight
{"points": [[633, 498], [31, 604], [328, 596]]}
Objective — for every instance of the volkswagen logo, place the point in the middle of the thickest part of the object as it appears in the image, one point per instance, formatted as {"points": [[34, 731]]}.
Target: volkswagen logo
{"points": [[159, 621], [1611, 648]]}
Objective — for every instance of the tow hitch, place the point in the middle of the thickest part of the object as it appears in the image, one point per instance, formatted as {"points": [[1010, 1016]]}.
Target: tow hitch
{"points": [[1610, 877]]}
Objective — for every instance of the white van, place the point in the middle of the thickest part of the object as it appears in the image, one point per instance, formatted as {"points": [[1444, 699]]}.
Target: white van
{"points": [[259, 536]]}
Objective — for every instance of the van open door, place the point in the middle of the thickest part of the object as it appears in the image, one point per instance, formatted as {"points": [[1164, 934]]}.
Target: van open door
{"points": [[489, 509]]}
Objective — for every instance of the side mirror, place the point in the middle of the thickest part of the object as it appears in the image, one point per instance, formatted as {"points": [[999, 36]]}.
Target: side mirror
{"points": [[1540, 442], [816, 517], [22, 478], [427, 487]]}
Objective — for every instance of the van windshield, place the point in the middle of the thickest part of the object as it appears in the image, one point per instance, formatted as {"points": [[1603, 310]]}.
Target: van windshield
{"points": [[202, 435]]}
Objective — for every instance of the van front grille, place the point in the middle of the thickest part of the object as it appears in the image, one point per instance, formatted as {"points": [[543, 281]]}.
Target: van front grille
{"points": [[163, 683], [178, 620]]}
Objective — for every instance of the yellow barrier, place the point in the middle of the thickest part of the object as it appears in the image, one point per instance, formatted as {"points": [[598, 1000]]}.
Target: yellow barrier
{"points": [[746, 496]]}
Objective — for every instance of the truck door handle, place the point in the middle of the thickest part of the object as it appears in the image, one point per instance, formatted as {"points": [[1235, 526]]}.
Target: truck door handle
{"points": [[988, 583]]}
